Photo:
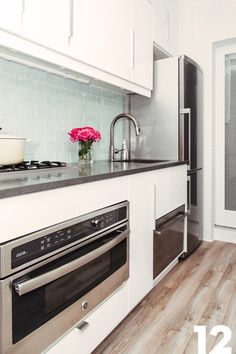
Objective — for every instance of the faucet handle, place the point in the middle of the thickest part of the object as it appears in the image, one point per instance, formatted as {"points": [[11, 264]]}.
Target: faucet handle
{"points": [[116, 151]]}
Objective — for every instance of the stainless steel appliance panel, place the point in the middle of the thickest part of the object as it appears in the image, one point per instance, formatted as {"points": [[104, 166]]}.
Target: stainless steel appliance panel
{"points": [[191, 113], [59, 290], [195, 210], [37, 246], [168, 239], [191, 145], [172, 124]]}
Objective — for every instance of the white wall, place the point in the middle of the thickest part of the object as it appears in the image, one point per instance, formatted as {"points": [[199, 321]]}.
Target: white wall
{"points": [[203, 22]]}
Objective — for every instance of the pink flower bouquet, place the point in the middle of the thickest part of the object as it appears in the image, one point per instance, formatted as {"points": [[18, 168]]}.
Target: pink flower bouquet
{"points": [[85, 136]]}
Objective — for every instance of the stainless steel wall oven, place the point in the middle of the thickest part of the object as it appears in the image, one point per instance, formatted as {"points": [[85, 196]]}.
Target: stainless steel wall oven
{"points": [[52, 278]]}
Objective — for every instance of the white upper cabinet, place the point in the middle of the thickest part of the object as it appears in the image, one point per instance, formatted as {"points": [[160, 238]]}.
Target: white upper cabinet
{"points": [[47, 22], [127, 30], [116, 32], [115, 36], [110, 40], [11, 12], [166, 25], [85, 42], [142, 62], [100, 35]]}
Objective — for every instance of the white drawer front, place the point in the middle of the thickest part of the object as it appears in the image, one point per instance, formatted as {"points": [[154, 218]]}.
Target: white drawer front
{"points": [[171, 189], [100, 323]]}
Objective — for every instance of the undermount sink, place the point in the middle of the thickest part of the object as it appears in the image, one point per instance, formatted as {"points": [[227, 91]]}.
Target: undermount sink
{"points": [[141, 161]]}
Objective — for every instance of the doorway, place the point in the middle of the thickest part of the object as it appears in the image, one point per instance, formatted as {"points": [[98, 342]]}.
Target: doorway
{"points": [[225, 140]]}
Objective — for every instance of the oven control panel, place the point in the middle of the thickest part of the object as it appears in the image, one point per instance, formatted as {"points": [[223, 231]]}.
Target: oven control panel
{"points": [[61, 237], [99, 223]]}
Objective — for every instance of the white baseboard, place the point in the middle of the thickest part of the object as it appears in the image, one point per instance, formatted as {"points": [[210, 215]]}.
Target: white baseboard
{"points": [[224, 234], [208, 238]]}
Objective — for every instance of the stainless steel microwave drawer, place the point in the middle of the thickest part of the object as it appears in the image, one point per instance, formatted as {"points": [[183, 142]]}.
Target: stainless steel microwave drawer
{"points": [[168, 240]]}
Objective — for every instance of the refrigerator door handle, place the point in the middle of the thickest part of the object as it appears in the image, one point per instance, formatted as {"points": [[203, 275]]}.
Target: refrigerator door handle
{"points": [[183, 113], [189, 203]]}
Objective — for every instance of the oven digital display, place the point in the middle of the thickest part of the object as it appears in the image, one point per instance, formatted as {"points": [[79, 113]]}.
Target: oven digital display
{"points": [[55, 240]]}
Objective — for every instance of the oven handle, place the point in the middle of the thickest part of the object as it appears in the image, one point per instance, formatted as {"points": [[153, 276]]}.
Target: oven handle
{"points": [[29, 285], [170, 223]]}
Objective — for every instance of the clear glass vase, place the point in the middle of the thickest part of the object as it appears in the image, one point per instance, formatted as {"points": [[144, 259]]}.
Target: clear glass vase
{"points": [[85, 153]]}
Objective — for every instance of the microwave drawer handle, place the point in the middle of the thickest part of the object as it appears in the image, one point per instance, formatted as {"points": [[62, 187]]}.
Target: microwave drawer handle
{"points": [[26, 286], [167, 225]]}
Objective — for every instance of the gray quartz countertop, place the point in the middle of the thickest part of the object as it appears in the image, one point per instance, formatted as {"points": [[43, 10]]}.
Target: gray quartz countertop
{"points": [[24, 182]]}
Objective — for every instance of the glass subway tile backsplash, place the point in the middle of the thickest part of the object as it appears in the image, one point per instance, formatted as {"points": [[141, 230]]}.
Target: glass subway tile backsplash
{"points": [[43, 107]]}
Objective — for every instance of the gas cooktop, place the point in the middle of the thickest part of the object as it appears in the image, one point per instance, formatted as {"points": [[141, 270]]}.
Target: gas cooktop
{"points": [[32, 165]]}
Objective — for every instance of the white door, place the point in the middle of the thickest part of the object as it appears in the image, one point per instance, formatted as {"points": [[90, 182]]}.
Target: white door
{"points": [[47, 22], [225, 136]]}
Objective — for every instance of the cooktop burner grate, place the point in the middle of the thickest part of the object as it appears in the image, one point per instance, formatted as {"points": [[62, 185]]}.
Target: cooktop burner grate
{"points": [[32, 165]]}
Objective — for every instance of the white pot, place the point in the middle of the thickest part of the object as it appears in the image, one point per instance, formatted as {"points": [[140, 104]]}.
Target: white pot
{"points": [[11, 149]]}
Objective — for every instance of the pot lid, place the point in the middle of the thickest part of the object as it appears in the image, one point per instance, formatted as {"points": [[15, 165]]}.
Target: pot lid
{"points": [[8, 136]]}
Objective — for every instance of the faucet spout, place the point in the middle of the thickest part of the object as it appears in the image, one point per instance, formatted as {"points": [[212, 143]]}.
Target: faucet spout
{"points": [[112, 128]]}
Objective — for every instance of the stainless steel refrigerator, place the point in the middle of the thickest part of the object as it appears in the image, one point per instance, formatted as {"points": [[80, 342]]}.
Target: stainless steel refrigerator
{"points": [[172, 128]]}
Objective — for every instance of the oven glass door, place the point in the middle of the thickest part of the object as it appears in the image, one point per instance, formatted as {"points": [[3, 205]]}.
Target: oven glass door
{"points": [[33, 304]]}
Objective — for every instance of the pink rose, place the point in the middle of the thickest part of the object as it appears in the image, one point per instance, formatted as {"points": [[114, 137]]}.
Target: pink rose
{"points": [[96, 136], [84, 134]]}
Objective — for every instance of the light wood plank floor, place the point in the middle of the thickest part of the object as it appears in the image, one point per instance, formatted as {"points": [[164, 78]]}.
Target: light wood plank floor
{"points": [[199, 291]]}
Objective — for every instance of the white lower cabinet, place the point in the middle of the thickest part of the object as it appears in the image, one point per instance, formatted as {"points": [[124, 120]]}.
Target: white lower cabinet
{"points": [[141, 197], [151, 195], [100, 323]]}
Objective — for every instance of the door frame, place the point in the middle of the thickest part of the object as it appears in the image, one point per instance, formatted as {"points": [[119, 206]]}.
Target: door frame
{"points": [[225, 219]]}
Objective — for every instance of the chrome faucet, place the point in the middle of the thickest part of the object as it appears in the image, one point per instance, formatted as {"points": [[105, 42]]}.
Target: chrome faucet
{"points": [[128, 116]]}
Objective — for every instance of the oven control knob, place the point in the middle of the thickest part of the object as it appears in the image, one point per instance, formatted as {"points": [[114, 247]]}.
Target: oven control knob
{"points": [[97, 223], [84, 305]]}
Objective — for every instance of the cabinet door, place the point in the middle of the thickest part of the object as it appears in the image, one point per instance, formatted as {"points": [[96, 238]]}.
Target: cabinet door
{"points": [[143, 43], [117, 35], [86, 37], [173, 23], [47, 22], [171, 189], [102, 35], [160, 23], [166, 23], [11, 12], [141, 237]]}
